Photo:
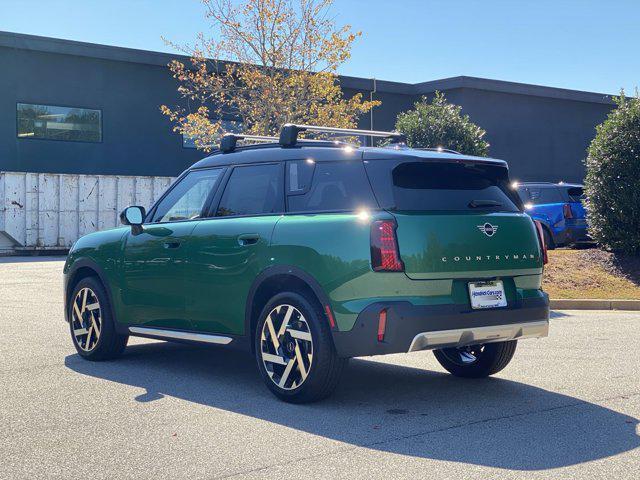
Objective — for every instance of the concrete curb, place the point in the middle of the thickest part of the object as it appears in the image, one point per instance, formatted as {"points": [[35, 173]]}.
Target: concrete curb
{"points": [[595, 304]]}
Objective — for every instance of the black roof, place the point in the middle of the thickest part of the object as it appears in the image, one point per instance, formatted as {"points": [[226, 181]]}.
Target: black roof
{"points": [[329, 151]]}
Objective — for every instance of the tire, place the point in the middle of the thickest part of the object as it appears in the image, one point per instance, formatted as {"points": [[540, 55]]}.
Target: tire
{"points": [[306, 338], [548, 239], [90, 312], [489, 359]]}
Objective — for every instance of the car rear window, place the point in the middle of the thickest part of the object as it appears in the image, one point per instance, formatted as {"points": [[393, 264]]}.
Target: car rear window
{"points": [[328, 186], [544, 195], [575, 194], [441, 186]]}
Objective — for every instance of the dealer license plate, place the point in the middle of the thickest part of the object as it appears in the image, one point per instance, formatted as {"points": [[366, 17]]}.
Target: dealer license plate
{"points": [[487, 294]]}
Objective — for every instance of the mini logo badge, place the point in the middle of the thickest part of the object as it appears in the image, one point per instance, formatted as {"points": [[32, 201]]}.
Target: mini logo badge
{"points": [[488, 229]]}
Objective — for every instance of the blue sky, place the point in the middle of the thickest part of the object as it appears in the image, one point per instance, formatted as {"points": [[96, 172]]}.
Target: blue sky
{"points": [[578, 44]]}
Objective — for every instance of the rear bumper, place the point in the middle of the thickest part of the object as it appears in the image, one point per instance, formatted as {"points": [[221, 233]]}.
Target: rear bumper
{"points": [[474, 335], [578, 234], [422, 327], [573, 234]]}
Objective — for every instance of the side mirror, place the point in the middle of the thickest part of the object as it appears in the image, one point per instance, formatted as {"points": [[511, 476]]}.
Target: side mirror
{"points": [[133, 216]]}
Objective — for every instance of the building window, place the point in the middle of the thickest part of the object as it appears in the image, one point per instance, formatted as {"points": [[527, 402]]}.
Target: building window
{"points": [[226, 126], [188, 141], [59, 123]]}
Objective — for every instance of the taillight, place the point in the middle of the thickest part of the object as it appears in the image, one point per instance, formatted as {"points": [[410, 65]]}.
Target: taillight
{"points": [[566, 211], [385, 256], [543, 244]]}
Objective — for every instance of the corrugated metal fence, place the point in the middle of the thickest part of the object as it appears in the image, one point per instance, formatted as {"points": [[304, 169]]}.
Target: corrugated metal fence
{"points": [[51, 211]]}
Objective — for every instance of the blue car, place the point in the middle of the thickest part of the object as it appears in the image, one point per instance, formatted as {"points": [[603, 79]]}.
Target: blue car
{"points": [[558, 206]]}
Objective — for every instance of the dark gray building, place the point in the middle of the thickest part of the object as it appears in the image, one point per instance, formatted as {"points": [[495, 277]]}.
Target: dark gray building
{"points": [[72, 107]]}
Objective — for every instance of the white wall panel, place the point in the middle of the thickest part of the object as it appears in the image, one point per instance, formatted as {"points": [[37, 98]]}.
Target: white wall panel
{"points": [[51, 211]]}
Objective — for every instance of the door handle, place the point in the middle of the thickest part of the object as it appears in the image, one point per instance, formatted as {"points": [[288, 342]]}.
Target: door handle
{"points": [[171, 244], [248, 239]]}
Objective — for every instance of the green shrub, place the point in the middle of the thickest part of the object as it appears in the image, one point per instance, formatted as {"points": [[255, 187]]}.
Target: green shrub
{"points": [[612, 184], [441, 124]]}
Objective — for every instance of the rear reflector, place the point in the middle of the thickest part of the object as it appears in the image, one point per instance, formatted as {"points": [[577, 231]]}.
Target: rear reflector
{"points": [[543, 244], [385, 256], [327, 310], [382, 324]]}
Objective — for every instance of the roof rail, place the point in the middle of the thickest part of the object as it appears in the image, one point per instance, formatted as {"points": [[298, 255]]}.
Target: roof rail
{"points": [[229, 140], [289, 133], [438, 149], [540, 183]]}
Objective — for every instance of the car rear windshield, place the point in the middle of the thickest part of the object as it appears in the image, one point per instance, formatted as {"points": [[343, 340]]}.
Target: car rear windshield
{"points": [[441, 186], [540, 195], [576, 194]]}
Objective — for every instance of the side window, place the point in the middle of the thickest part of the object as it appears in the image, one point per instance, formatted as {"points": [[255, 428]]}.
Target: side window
{"points": [[546, 195], [534, 194], [253, 190], [187, 199], [523, 193], [299, 175], [334, 186]]}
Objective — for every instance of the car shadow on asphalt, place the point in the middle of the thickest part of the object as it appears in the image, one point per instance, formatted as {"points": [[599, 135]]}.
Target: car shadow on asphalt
{"points": [[381, 406]]}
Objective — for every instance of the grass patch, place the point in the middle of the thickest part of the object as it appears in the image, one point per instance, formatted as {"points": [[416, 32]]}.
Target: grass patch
{"points": [[591, 273]]}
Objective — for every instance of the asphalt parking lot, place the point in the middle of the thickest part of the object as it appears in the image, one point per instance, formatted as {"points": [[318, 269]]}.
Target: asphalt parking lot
{"points": [[566, 407]]}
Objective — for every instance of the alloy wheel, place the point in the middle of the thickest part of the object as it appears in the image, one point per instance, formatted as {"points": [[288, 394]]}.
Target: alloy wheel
{"points": [[86, 319], [286, 347]]}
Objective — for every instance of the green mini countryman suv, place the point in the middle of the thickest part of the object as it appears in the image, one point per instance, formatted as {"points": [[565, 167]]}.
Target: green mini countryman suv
{"points": [[306, 253]]}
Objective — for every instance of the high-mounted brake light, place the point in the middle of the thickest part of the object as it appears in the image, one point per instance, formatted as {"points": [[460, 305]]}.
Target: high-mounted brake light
{"points": [[385, 256], [543, 244], [566, 211]]}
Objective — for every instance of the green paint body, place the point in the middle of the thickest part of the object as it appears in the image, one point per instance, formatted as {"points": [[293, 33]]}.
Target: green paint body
{"points": [[204, 283]]}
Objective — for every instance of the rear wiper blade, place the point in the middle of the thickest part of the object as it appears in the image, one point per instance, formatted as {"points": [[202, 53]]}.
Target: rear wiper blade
{"points": [[484, 203]]}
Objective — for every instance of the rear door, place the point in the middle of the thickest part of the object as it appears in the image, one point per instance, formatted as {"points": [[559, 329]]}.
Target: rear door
{"points": [[227, 251], [456, 219]]}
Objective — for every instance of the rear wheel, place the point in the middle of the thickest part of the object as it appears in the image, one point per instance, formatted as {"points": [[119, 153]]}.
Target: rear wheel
{"points": [[91, 322], [476, 361], [294, 350]]}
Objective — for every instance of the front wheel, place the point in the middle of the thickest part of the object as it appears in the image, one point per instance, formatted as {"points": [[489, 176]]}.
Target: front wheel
{"points": [[476, 361], [294, 350], [91, 322]]}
